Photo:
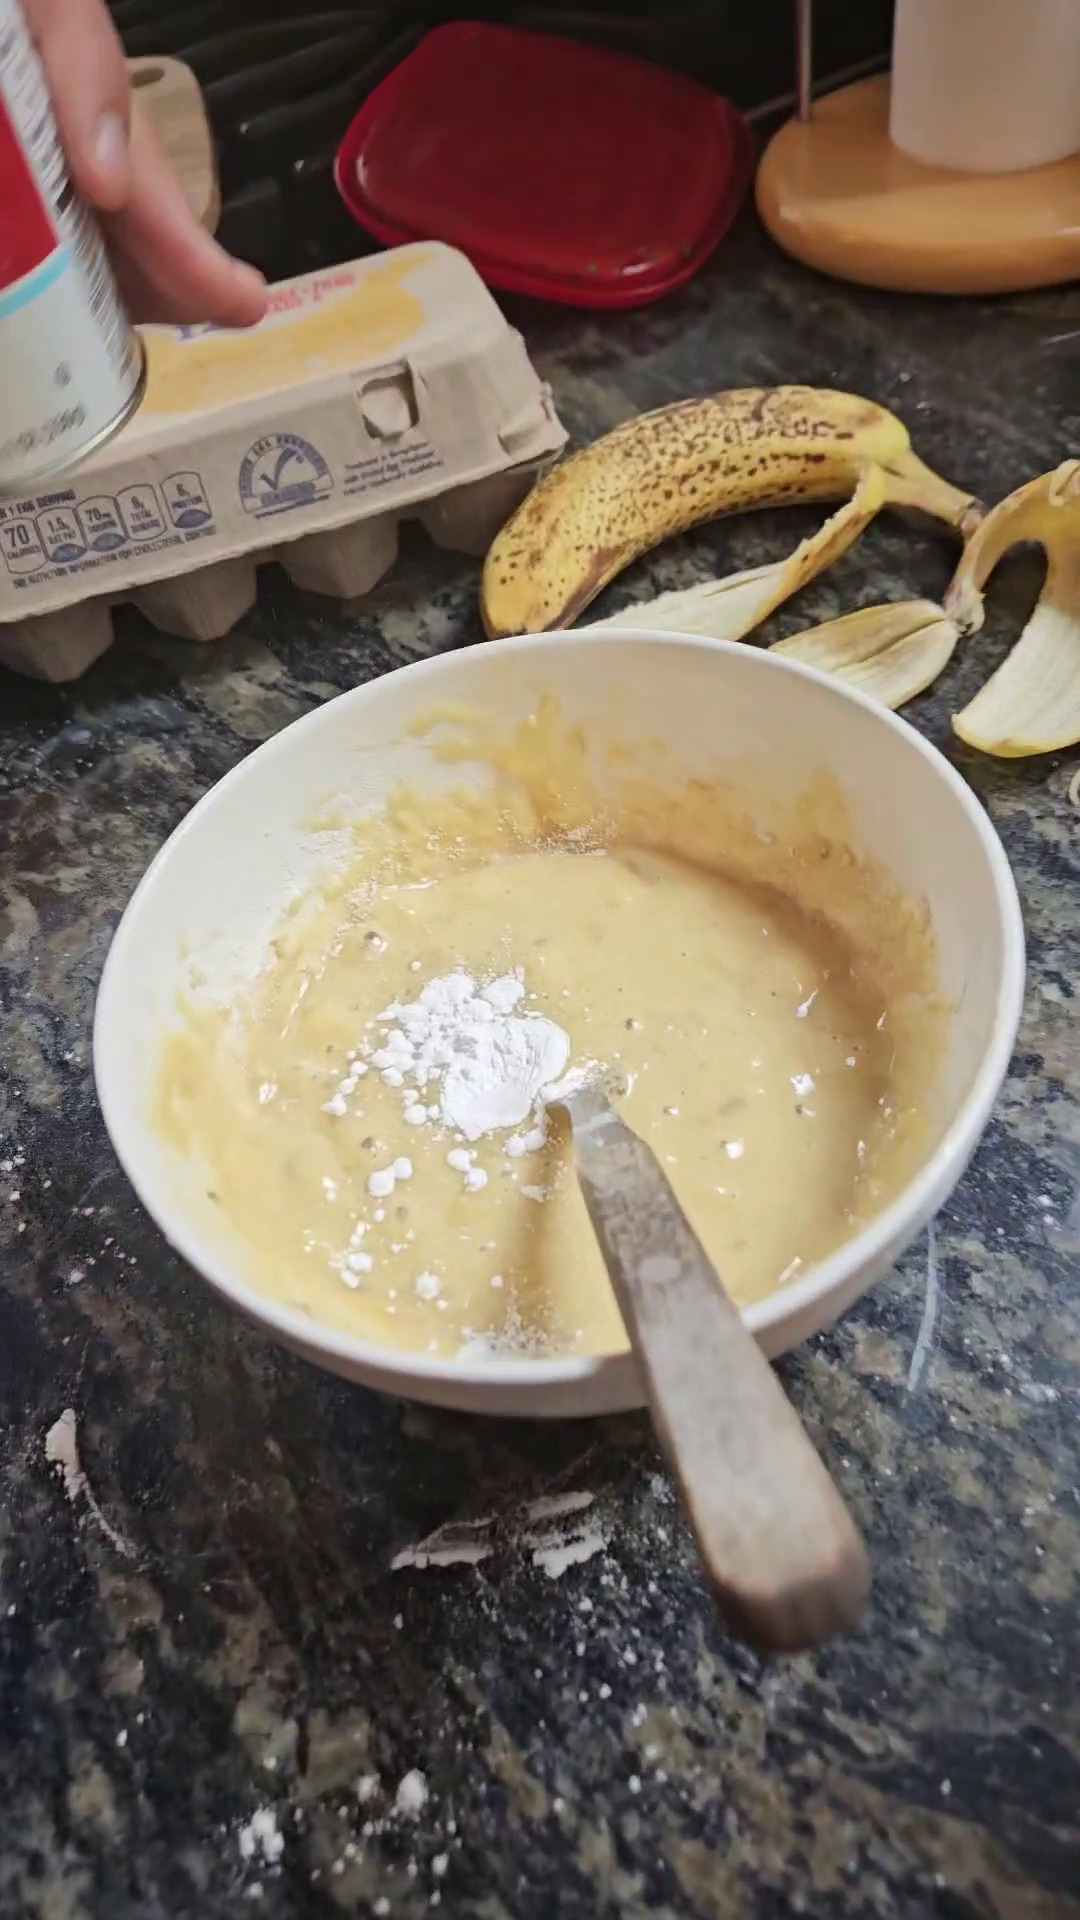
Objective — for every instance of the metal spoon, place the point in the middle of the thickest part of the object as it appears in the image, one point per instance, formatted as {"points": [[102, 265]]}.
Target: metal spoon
{"points": [[786, 1563]]}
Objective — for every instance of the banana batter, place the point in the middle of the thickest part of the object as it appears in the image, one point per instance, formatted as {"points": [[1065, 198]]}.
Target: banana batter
{"points": [[774, 1064]]}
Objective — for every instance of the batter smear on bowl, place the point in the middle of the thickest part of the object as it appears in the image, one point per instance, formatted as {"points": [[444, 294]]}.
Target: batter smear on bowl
{"points": [[370, 1116]]}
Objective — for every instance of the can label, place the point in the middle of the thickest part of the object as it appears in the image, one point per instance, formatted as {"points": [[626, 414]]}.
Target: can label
{"points": [[70, 364]]}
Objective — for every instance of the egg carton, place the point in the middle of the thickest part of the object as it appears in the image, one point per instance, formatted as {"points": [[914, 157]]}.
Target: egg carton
{"points": [[386, 389]]}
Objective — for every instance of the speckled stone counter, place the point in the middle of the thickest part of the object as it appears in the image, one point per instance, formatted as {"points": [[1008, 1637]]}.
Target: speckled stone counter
{"points": [[216, 1697]]}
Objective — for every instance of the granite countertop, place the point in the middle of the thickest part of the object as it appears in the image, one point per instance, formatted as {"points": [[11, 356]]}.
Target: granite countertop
{"points": [[212, 1684]]}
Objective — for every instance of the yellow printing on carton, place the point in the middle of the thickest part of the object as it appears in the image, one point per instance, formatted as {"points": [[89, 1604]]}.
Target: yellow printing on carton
{"points": [[323, 323], [386, 388]]}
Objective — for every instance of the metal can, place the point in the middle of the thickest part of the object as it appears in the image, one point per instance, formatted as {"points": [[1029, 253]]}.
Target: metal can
{"points": [[72, 368]]}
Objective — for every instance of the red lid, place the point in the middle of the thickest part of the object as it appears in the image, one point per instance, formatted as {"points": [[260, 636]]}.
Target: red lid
{"points": [[562, 170]]}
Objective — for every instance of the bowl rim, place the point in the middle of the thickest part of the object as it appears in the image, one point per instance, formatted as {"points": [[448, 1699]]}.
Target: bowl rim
{"points": [[916, 1201]]}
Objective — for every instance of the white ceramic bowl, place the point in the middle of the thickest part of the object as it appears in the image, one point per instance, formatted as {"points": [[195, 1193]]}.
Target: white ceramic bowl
{"points": [[218, 885]]}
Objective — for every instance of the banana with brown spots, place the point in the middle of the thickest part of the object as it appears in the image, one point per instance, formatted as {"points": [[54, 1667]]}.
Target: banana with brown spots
{"points": [[663, 472]]}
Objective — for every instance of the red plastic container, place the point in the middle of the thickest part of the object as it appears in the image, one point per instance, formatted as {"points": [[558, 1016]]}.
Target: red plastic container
{"points": [[562, 170]]}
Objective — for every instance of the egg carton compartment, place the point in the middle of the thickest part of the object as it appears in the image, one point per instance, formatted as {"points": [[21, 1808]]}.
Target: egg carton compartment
{"points": [[388, 388], [345, 563]]}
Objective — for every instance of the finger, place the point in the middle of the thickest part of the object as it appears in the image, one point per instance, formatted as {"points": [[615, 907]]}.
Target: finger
{"points": [[87, 74], [146, 304], [168, 266]]}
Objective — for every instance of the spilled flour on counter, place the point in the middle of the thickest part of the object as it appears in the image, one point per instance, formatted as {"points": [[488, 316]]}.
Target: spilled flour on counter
{"points": [[62, 1453], [459, 1543], [490, 1062], [551, 1527], [412, 1794], [261, 1839], [560, 1536]]}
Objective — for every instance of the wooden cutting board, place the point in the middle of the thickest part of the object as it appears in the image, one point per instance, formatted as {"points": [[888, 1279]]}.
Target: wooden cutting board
{"points": [[169, 93]]}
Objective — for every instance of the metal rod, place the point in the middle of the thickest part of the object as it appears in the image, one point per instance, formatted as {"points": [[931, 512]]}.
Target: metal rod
{"points": [[804, 57], [842, 77]]}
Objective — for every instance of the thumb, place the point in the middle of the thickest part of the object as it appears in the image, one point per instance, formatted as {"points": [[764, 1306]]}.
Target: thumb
{"points": [[87, 75]]}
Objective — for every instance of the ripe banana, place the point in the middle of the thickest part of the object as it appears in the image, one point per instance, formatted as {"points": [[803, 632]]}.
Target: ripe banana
{"points": [[663, 472], [730, 608], [1032, 703]]}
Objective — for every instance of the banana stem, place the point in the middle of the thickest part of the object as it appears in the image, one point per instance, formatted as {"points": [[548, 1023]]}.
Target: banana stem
{"points": [[911, 483]]}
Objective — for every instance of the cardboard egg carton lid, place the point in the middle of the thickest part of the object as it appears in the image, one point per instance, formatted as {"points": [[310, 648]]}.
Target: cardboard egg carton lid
{"points": [[382, 389]]}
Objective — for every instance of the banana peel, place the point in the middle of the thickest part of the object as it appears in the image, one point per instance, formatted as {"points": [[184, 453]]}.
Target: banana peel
{"points": [[889, 652], [1032, 703], [730, 608], [666, 471]]}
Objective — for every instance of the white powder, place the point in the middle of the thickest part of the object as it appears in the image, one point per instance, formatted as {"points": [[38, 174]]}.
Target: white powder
{"points": [[62, 1453], [412, 1793], [476, 1346], [492, 1065], [520, 1144], [555, 1506], [462, 1160], [260, 1838], [489, 1061], [338, 1101], [554, 1556], [381, 1184]]}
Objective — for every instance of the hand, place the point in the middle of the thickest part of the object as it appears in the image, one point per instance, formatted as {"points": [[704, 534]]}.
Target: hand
{"points": [[168, 267]]}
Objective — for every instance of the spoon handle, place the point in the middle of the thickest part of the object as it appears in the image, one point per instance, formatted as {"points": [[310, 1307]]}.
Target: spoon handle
{"points": [[785, 1560]]}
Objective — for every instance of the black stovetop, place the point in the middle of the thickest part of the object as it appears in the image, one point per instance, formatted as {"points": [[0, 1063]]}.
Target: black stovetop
{"points": [[282, 84]]}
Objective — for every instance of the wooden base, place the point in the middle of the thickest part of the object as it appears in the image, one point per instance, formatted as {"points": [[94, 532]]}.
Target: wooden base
{"points": [[836, 193]]}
